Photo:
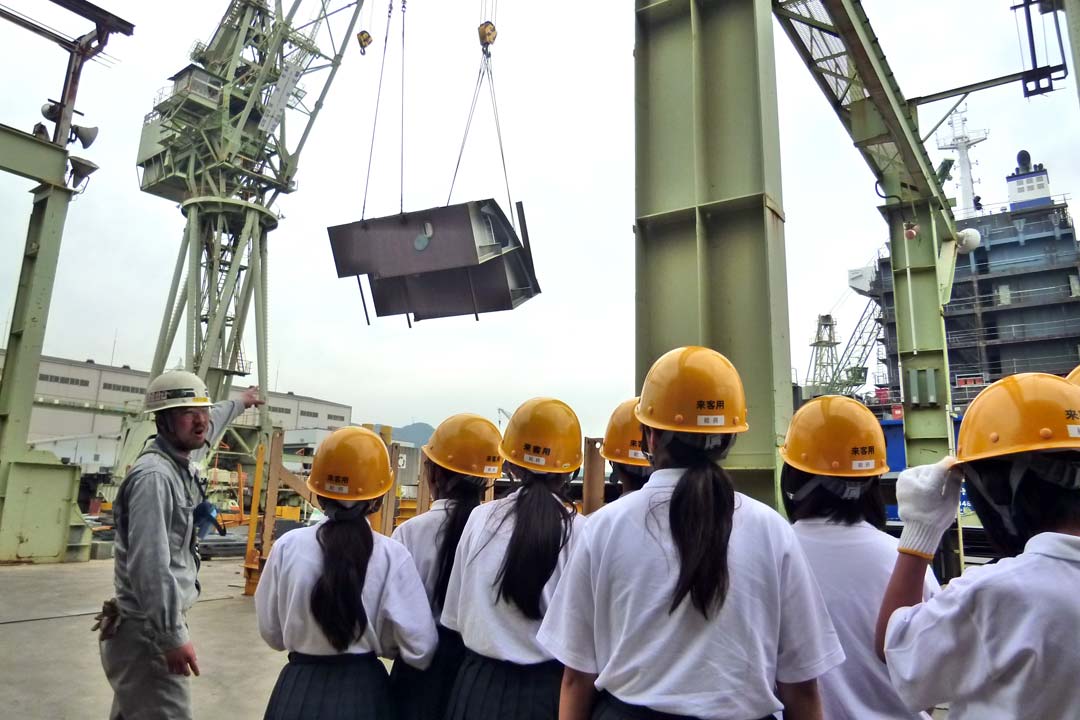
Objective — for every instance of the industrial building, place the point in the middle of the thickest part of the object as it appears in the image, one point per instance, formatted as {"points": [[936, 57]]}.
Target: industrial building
{"points": [[79, 406], [1016, 299]]}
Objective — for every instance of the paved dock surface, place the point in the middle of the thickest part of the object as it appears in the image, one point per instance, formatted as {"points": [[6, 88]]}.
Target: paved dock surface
{"points": [[49, 659]]}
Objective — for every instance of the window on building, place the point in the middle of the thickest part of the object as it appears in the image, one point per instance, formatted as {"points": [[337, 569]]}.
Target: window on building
{"points": [[281, 410], [124, 388], [62, 380], [339, 418], [308, 413]]}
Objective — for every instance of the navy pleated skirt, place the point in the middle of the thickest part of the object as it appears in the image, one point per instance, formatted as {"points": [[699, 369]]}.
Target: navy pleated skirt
{"points": [[489, 689], [609, 707], [331, 687], [424, 694]]}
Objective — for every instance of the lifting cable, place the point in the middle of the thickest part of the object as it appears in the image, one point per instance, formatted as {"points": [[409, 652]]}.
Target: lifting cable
{"points": [[402, 173], [378, 99], [487, 38]]}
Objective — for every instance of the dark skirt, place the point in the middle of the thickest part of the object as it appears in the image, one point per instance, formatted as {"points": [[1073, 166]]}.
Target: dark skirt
{"points": [[489, 689], [331, 687], [424, 694], [609, 707]]}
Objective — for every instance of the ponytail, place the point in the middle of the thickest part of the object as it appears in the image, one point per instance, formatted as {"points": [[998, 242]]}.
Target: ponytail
{"points": [[465, 493], [542, 527], [347, 542], [701, 515]]}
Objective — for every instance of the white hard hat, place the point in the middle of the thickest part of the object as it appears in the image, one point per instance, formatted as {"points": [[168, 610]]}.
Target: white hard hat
{"points": [[176, 388]]}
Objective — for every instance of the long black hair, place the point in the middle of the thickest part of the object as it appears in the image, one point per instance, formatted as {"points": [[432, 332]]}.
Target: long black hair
{"points": [[464, 493], [822, 502], [336, 600], [701, 515], [542, 527]]}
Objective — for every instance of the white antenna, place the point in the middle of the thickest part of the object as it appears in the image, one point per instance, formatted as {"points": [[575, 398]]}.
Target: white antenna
{"points": [[962, 141]]}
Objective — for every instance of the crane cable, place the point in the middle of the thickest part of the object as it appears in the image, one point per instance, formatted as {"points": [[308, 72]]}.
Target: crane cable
{"points": [[485, 71], [378, 100]]}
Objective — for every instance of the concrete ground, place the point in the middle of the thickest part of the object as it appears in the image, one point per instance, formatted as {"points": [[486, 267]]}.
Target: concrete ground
{"points": [[49, 659]]}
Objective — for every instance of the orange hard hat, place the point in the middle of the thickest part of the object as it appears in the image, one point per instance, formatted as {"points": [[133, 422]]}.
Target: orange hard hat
{"points": [[351, 464], [466, 444], [622, 441], [1021, 413], [693, 390], [543, 435], [1074, 376], [836, 436]]}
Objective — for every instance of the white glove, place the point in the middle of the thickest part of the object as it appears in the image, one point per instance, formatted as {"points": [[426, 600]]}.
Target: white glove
{"points": [[928, 497]]}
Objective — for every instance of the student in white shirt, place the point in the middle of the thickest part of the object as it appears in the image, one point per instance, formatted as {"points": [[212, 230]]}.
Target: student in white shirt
{"points": [[460, 459], [337, 595], [1000, 641], [687, 599], [834, 456], [508, 563], [622, 448]]}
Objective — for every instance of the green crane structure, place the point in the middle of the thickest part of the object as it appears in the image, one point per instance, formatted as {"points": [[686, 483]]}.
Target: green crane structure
{"points": [[224, 141], [709, 231], [39, 518]]}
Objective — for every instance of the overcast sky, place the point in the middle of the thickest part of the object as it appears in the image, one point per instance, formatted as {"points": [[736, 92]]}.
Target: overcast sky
{"points": [[565, 86]]}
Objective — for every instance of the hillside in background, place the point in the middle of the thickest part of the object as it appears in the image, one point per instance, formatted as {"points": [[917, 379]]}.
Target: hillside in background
{"points": [[415, 433]]}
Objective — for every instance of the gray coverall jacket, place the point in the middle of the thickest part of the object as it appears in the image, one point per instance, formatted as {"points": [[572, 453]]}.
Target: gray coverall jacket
{"points": [[155, 575]]}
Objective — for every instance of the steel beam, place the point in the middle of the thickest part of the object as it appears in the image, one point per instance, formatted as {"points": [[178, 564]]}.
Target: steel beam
{"points": [[29, 157], [709, 231]]}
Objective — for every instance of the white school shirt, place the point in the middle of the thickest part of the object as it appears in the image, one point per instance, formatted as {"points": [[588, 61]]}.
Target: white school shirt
{"points": [[610, 613], [490, 625], [399, 617], [999, 642], [422, 536], [852, 565]]}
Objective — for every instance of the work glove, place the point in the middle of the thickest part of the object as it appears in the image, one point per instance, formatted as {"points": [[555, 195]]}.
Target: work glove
{"points": [[928, 497]]}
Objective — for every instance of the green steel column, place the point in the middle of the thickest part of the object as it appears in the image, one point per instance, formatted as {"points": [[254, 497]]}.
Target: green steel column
{"points": [[31, 313], [922, 268], [709, 231], [39, 518]]}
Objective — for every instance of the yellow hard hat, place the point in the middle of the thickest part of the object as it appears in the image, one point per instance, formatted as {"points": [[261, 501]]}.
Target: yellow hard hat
{"points": [[836, 436], [622, 441], [466, 444], [1074, 376], [543, 435], [351, 464], [1021, 413], [693, 390]]}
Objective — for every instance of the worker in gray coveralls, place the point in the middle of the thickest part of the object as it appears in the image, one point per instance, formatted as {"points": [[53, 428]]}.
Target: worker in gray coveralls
{"points": [[145, 648]]}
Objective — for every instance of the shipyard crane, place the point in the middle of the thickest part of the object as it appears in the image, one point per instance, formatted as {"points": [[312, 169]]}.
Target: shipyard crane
{"points": [[224, 141], [842, 372]]}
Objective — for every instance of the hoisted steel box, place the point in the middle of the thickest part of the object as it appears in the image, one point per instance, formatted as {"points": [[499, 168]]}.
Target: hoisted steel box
{"points": [[463, 259]]}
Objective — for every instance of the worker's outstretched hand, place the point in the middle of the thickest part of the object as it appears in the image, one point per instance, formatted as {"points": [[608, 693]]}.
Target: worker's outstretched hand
{"points": [[251, 397], [927, 497], [182, 660]]}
